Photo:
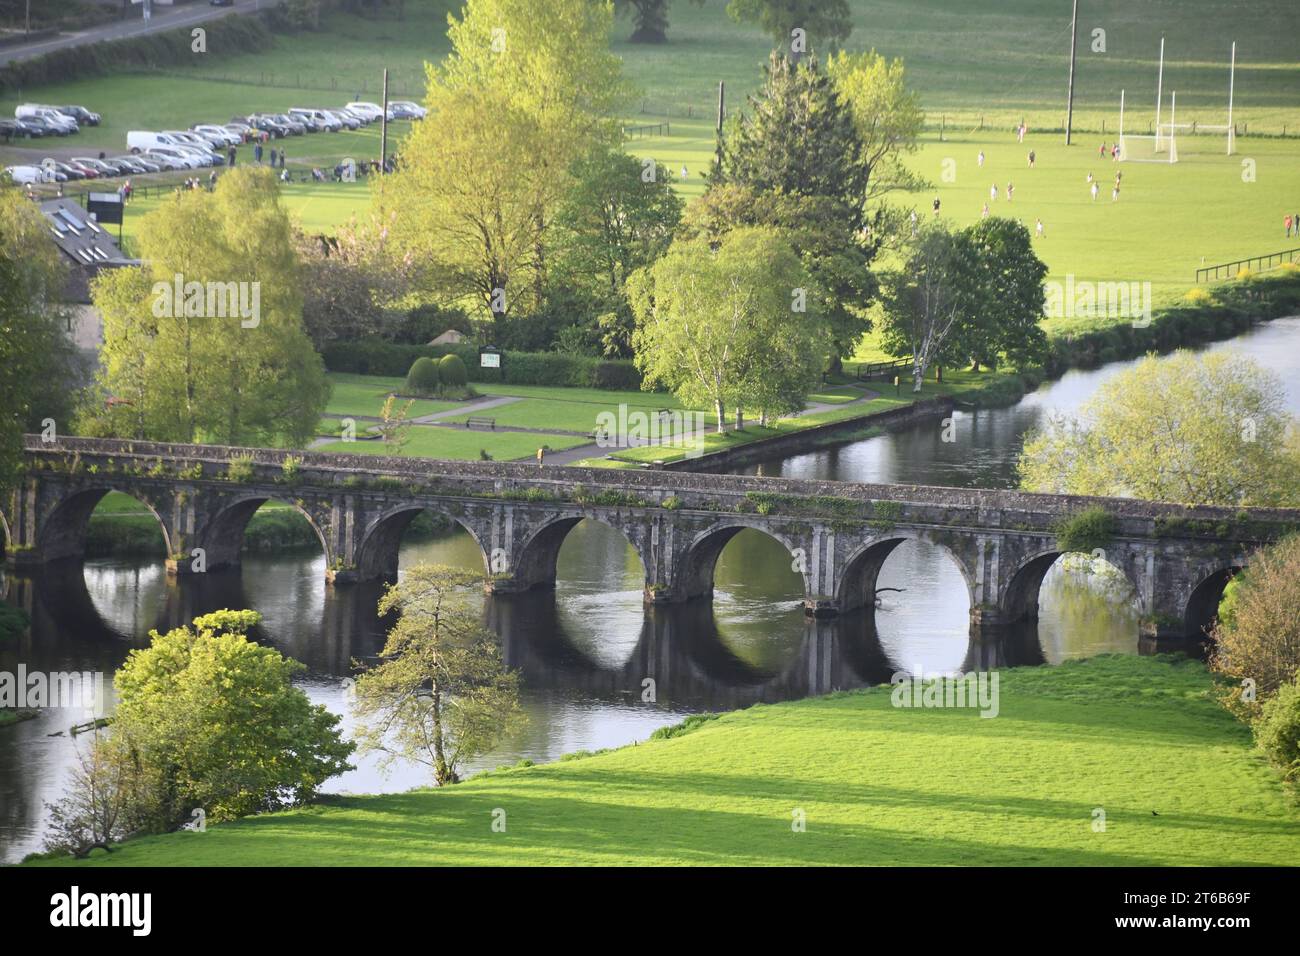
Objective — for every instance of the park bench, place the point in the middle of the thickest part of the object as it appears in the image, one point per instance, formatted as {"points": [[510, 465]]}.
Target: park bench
{"points": [[481, 421]]}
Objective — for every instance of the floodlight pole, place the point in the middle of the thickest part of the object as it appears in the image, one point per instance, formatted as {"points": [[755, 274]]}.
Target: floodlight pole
{"points": [[1160, 80], [1069, 99], [1232, 80], [1173, 123]]}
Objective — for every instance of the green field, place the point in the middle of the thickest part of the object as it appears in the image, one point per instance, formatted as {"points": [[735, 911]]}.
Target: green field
{"points": [[1139, 739], [428, 441]]}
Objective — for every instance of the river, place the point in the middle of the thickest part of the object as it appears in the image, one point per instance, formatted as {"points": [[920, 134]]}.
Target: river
{"points": [[599, 670]]}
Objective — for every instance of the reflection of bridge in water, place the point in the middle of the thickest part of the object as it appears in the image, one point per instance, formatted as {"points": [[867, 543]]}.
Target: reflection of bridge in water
{"points": [[679, 648]]}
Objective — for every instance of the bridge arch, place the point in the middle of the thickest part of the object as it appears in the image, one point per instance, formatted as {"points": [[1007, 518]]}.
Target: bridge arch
{"points": [[62, 532], [695, 568], [533, 564], [1021, 595], [1201, 611], [856, 584], [222, 536], [381, 540]]}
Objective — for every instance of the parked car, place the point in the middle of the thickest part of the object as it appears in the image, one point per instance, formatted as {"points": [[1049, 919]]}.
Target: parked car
{"points": [[174, 158], [242, 130], [102, 167], [218, 136], [407, 109], [79, 113], [45, 126], [372, 110], [316, 119], [361, 116], [48, 113], [267, 125], [87, 172], [9, 129], [139, 140], [295, 127], [31, 128], [138, 165], [345, 120], [65, 172]]}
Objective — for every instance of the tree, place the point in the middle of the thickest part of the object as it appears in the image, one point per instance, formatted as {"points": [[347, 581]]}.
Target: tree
{"points": [[797, 137], [529, 87], [105, 800], [649, 18], [718, 328], [217, 725], [1004, 318], [393, 427], [887, 116], [828, 20], [1207, 429], [817, 227], [620, 215], [795, 161], [1261, 638], [442, 694], [205, 341], [928, 298], [36, 353]]}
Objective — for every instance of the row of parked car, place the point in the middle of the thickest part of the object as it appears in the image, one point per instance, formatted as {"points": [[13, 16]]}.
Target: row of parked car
{"points": [[205, 144], [36, 119]]}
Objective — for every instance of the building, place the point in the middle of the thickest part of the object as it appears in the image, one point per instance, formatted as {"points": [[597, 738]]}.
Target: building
{"points": [[88, 248]]}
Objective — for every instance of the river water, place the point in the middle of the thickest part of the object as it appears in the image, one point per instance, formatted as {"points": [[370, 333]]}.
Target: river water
{"points": [[599, 670]]}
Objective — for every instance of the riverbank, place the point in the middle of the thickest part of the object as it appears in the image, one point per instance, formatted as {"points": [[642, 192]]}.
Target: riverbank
{"points": [[1116, 760]]}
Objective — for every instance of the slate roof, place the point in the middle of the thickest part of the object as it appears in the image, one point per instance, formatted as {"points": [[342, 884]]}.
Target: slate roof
{"points": [[86, 243]]}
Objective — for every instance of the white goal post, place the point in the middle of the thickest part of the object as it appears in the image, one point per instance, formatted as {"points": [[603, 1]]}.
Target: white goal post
{"points": [[1149, 148], [1143, 148]]}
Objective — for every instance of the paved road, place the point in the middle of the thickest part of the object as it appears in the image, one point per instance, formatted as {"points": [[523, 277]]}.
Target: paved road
{"points": [[164, 18]]}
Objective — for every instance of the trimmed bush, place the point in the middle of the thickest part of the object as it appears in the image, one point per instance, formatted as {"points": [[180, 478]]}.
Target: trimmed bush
{"points": [[422, 377], [452, 372]]}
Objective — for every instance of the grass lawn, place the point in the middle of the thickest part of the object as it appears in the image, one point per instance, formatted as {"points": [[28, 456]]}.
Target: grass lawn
{"points": [[430, 441], [1138, 738], [365, 395]]}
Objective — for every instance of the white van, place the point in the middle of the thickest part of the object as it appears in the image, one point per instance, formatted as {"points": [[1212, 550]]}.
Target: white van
{"points": [[49, 114], [29, 174], [138, 140]]}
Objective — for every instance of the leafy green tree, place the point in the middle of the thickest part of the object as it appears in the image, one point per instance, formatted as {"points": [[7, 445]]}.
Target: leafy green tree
{"points": [[529, 87], [205, 342], [886, 114], [36, 354], [928, 297], [649, 18], [442, 694], [821, 20], [1207, 429], [217, 725], [718, 328], [1005, 317], [620, 215]]}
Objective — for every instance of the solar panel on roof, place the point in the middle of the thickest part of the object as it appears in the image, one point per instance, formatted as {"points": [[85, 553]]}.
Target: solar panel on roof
{"points": [[85, 255]]}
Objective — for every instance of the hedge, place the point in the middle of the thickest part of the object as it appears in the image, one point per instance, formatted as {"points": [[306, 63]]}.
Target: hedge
{"points": [[229, 35], [371, 357]]}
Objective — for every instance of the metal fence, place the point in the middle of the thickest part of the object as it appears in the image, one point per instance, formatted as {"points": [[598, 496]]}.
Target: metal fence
{"points": [[1263, 263]]}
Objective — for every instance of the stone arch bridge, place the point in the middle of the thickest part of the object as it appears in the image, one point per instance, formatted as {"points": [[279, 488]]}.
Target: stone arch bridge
{"points": [[838, 533]]}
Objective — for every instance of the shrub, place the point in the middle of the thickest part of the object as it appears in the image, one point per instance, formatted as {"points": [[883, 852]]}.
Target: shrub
{"points": [[451, 371], [422, 378], [1085, 531], [1260, 637], [240, 468], [1277, 729]]}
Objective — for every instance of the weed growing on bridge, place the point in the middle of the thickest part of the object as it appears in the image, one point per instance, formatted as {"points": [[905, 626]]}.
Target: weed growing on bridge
{"points": [[1085, 531], [240, 468]]}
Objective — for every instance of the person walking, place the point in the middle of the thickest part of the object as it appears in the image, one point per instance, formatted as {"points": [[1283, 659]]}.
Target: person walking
{"points": [[993, 193], [981, 159], [984, 213], [230, 157], [1288, 226], [273, 157], [1038, 229], [936, 205], [257, 153], [1031, 159], [1095, 190], [1011, 191], [541, 454], [282, 157]]}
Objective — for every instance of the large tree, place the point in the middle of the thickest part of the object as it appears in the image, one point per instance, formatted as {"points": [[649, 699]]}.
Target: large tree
{"points": [[1006, 312], [886, 114], [1208, 429], [821, 20], [36, 354], [620, 215], [794, 161], [441, 694], [928, 297], [649, 18], [182, 365], [529, 87], [724, 328], [1258, 633]]}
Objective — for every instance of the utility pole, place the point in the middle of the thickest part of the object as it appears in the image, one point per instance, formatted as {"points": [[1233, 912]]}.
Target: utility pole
{"points": [[722, 114], [383, 128], [1069, 101]]}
